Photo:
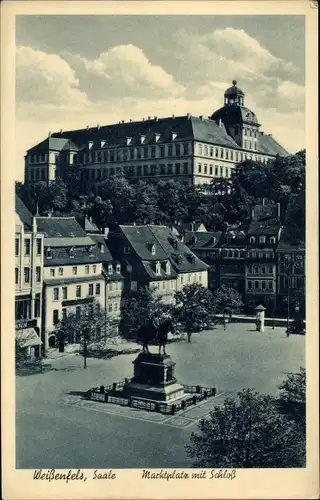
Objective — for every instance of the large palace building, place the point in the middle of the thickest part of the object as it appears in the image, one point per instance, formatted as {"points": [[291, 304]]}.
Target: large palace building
{"points": [[193, 149]]}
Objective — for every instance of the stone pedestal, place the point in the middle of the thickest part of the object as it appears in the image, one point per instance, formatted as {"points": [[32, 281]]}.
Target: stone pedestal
{"points": [[154, 378]]}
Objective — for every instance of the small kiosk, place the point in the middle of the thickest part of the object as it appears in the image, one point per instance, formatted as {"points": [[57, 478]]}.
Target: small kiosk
{"points": [[260, 310]]}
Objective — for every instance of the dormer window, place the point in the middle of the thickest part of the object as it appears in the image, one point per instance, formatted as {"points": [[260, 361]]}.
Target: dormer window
{"points": [[213, 240], [91, 251], [179, 259], [168, 268], [152, 248], [262, 239], [90, 144], [252, 239], [110, 269], [102, 143], [126, 250], [272, 239], [142, 139], [192, 258], [118, 268], [157, 137], [129, 140], [158, 268], [173, 135], [49, 253], [174, 243], [101, 247], [71, 252]]}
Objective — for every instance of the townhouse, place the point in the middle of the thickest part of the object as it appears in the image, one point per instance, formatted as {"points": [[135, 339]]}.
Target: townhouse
{"points": [[153, 256], [28, 280], [72, 273]]}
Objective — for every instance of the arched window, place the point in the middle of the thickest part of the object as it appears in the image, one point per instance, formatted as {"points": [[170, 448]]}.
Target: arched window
{"points": [[158, 268], [252, 239], [272, 239]]}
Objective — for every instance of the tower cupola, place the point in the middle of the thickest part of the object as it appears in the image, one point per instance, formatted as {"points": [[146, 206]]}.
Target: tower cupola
{"points": [[233, 95]]}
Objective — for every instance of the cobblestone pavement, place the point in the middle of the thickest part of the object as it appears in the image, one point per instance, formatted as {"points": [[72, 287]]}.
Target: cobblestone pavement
{"points": [[183, 419]]}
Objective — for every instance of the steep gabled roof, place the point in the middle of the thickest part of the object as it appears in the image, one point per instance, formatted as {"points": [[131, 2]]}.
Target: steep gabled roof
{"points": [[24, 214], [197, 240], [268, 145], [61, 227], [51, 143], [207, 130], [268, 227]]}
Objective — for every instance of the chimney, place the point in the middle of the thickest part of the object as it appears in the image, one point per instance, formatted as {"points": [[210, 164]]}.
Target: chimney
{"points": [[61, 131], [156, 118], [49, 133], [34, 225], [278, 210], [149, 117], [122, 121], [173, 116], [130, 120], [188, 116], [106, 233], [98, 126], [220, 123], [201, 117], [87, 127]]}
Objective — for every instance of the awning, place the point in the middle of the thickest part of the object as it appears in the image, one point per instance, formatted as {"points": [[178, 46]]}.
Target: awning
{"points": [[28, 337]]}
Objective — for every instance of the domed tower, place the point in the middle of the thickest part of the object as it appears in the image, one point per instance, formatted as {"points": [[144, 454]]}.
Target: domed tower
{"points": [[240, 122]]}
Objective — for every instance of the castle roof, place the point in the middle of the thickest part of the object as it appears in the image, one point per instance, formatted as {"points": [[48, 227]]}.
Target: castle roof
{"points": [[55, 144]]}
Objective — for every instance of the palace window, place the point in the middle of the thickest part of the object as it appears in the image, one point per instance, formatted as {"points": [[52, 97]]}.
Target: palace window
{"points": [[249, 284], [17, 246], [199, 168], [90, 289], [64, 313], [98, 289], [74, 271], [56, 293], [78, 291], [256, 284], [216, 170], [185, 168], [78, 312], [272, 239], [205, 169], [199, 149], [39, 246], [170, 150], [221, 153], [16, 276], [52, 273], [158, 268], [118, 268], [206, 151], [211, 151], [94, 268], [86, 269], [270, 285], [60, 271], [262, 239], [252, 239], [64, 292]]}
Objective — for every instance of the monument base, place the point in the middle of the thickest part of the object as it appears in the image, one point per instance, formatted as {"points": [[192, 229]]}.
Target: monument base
{"points": [[154, 379]]}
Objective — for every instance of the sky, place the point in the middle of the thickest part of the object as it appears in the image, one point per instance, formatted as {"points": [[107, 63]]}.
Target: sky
{"points": [[74, 71]]}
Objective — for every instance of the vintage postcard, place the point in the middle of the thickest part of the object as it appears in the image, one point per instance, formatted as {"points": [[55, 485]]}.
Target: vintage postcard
{"points": [[159, 222]]}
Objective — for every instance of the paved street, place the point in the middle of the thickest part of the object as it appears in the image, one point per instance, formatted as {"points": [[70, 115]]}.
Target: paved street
{"points": [[56, 429]]}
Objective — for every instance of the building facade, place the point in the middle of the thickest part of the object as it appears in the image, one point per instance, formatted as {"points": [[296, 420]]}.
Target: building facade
{"points": [[72, 274], [192, 149], [152, 256], [28, 281]]}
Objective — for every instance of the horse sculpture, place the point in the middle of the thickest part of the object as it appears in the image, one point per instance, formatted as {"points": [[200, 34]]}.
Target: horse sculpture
{"points": [[150, 332]]}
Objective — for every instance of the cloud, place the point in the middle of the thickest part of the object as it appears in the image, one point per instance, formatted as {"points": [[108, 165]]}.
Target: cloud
{"points": [[121, 70], [43, 78], [209, 61]]}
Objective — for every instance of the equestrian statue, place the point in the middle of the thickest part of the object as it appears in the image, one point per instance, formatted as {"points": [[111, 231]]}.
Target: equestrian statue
{"points": [[155, 330]]}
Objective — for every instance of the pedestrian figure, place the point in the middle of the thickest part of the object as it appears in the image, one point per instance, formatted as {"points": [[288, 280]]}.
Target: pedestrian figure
{"points": [[288, 332], [225, 323]]}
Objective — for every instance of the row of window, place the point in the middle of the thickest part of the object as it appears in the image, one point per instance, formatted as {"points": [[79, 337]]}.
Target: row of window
{"points": [[135, 153], [60, 270], [261, 255], [27, 275], [260, 269], [136, 171], [64, 291], [27, 246], [38, 157], [226, 154], [260, 285], [291, 282], [23, 308], [218, 171], [115, 287], [262, 239]]}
